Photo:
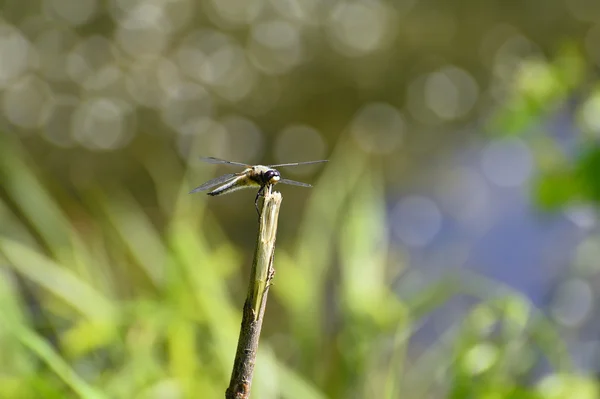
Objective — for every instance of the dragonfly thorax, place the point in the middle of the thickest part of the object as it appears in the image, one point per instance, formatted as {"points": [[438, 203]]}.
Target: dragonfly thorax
{"points": [[264, 175]]}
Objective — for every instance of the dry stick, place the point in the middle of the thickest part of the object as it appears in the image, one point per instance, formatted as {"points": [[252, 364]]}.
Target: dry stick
{"points": [[254, 308]]}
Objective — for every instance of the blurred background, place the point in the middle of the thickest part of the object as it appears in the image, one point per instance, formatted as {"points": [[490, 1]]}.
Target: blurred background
{"points": [[449, 249]]}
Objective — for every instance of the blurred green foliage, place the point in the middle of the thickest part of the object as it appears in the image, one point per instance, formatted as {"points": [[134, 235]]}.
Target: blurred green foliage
{"points": [[114, 283], [540, 89], [100, 303]]}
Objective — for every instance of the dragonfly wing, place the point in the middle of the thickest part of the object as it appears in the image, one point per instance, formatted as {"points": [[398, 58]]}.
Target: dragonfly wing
{"points": [[298, 163], [221, 161], [294, 183], [214, 182]]}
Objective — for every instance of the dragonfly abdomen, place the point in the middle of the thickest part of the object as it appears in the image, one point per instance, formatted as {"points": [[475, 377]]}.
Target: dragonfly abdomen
{"points": [[234, 185]]}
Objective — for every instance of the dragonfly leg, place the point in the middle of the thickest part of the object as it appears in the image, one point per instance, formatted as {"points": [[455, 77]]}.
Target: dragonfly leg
{"points": [[258, 194]]}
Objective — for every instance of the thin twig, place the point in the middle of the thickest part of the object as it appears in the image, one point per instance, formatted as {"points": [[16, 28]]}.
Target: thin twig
{"points": [[254, 308]]}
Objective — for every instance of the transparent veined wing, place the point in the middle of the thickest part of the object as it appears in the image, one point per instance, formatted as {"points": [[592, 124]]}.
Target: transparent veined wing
{"points": [[222, 161], [214, 182], [297, 163], [294, 183]]}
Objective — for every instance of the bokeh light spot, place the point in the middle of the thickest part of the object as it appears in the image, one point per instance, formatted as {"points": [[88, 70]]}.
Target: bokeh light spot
{"points": [[416, 221], [234, 12], [144, 30], [102, 123], [589, 114], [464, 194], [509, 58], [246, 136], [358, 28], [587, 255], [378, 127], [14, 53], [204, 135], [507, 162], [563, 386], [52, 47], [214, 59], [276, 34], [145, 81], [185, 102], [275, 47], [493, 39], [221, 63], [583, 216], [480, 358], [74, 12], [27, 103], [89, 56], [450, 93], [299, 143], [303, 11], [573, 302]]}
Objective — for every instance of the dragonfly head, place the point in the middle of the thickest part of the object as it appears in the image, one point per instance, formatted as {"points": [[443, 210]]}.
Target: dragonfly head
{"points": [[272, 176]]}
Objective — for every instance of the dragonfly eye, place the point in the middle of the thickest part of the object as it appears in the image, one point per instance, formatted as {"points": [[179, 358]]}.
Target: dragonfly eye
{"points": [[272, 175]]}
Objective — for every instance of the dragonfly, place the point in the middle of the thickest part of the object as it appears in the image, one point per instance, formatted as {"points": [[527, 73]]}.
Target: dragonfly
{"points": [[252, 176]]}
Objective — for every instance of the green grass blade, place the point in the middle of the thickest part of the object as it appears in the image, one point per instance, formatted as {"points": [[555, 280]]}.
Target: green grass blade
{"points": [[44, 351], [32, 198], [136, 231], [57, 280]]}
